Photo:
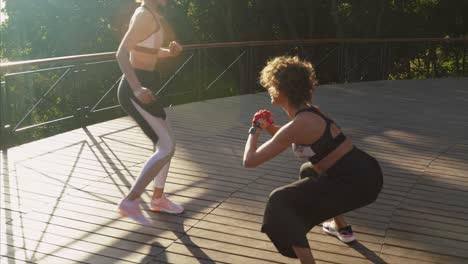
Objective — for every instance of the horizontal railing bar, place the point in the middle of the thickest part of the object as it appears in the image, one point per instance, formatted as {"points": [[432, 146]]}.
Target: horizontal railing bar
{"points": [[86, 57], [100, 62], [320, 41], [41, 70], [43, 124], [107, 55]]}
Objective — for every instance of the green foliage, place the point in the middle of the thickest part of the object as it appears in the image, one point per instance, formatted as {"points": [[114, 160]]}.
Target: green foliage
{"points": [[51, 28]]}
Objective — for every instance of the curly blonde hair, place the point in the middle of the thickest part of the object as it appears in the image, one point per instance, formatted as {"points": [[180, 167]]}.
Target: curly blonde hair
{"points": [[290, 76]]}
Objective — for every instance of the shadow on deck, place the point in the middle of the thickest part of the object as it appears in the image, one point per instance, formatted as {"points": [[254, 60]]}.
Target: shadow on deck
{"points": [[59, 194]]}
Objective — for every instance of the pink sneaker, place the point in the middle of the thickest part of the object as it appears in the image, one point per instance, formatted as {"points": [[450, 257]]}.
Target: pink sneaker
{"points": [[163, 204], [131, 209]]}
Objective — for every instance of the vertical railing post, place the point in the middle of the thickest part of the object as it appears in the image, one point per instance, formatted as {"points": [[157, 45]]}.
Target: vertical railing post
{"points": [[196, 74], [433, 58], [252, 70], [76, 94], [456, 54], [346, 50], [340, 62], [383, 61], [3, 136], [388, 60], [79, 109], [247, 72], [5, 116], [464, 59]]}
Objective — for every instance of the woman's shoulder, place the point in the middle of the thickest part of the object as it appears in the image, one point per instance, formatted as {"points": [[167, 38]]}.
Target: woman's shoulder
{"points": [[142, 13], [308, 117], [308, 123], [143, 17]]}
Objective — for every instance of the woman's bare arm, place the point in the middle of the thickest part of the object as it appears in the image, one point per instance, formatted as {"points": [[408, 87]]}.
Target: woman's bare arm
{"points": [[138, 28], [282, 140], [272, 129]]}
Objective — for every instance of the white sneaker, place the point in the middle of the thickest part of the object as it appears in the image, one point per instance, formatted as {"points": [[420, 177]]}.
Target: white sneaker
{"points": [[163, 204], [344, 234]]}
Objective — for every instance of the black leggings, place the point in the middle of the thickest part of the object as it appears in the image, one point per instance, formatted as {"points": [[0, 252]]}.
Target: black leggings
{"points": [[125, 95], [293, 210], [152, 120]]}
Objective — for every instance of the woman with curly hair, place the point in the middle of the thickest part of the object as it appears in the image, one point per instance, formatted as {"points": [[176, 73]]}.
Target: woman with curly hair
{"points": [[337, 177]]}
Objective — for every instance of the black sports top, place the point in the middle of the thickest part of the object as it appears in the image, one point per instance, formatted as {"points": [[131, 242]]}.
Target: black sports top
{"points": [[324, 145]]}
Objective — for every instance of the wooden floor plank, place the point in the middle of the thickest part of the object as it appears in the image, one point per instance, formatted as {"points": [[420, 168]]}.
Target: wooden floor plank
{"points": [[59, 194], [410, 253], [173, 258]]}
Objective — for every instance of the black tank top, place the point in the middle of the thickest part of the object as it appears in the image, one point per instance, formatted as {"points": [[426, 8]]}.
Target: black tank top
{"points": [[324, 145]]}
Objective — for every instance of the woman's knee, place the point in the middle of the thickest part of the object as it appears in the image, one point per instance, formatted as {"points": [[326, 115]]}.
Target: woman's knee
{"points": [[307, 171], [275, 210], [166, 147], [166, 154], [278, 197], [171, 149]]}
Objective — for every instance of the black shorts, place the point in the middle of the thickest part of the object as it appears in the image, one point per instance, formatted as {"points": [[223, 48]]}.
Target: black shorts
{"points": [[293, 210], [125, 95]]}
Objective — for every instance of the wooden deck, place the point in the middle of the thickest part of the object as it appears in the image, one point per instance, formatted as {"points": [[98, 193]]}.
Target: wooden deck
{"points": [[59, 195]]}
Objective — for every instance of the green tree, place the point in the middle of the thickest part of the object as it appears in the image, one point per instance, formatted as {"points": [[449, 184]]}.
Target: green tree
{"points": [[50, 28], [46, 28]]}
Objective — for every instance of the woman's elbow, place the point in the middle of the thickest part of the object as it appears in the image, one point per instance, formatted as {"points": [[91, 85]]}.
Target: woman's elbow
{"points": [[122, 52], [122, 57], [119, 54], [249, 163], [118, 57]]}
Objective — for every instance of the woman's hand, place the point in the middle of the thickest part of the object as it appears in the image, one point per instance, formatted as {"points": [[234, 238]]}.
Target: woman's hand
{"points": [[175, 48], [262, 119], [145, 95]]}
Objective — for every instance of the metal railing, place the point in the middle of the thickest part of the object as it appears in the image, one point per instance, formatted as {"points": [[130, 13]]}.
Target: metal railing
{"points": [[75, 91]]}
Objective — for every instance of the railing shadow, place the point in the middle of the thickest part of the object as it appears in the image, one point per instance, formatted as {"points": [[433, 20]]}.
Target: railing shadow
{"points": [[110, 157], [367, 253]]}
